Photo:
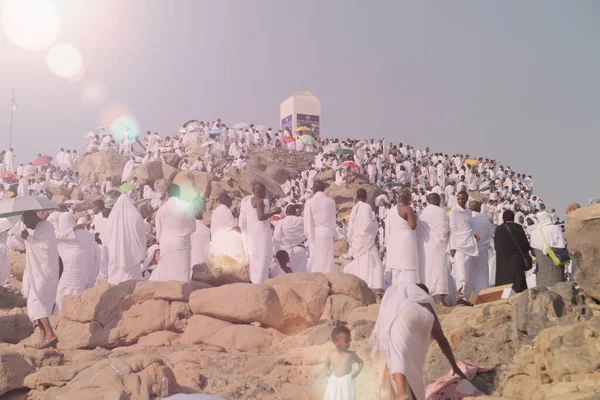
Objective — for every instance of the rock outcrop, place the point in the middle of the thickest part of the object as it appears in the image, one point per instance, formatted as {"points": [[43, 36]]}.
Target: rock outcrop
{"points": [[583, 231], [96, 167]]}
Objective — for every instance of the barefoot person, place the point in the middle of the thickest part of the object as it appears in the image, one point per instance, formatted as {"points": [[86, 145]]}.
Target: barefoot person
{"points": [[405, 327], [40, 281], [339, 365]]}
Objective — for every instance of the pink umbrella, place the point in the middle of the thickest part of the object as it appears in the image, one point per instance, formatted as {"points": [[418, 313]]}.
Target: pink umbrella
{"points": [[41, 160], [350, 164]]}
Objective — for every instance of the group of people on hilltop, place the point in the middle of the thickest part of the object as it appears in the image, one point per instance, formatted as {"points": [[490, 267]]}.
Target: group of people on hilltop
{"points": [[438, 229]]}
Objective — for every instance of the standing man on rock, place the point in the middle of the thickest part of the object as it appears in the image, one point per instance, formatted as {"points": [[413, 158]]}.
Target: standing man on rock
{"points": [[319, 227], [40, 281], [463, 246], [222, 217], [362, 231], [482, 228], [432, 242], [175, 223], [402, 256], [256, 228]]}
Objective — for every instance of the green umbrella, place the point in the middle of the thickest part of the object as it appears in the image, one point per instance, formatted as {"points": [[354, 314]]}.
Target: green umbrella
{"points": [[393, 183], [126, 187], [307, 139], [344, 150]]}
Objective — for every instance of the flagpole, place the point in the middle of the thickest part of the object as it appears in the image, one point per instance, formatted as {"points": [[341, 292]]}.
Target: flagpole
{"points": [[12, 111]]}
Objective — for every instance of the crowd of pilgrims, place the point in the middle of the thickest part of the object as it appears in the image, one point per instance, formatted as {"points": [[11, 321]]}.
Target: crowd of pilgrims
{"points": [[423, 227]]}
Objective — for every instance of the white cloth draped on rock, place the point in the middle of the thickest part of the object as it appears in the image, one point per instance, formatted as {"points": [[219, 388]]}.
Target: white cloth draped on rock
{"points": [[402, 257], [319, 227], [362, 232], [289, 236], [402, 333], [221, 218], [40, 279], [126, 243], [462, 240], [200, 244], [80, 257], [175, 224], [432, 242], [258, 240]]}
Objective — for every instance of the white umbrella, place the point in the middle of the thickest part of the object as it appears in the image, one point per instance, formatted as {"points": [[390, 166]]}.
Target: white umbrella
{"points": [[241, 125], [73, 201], [19, 205], [5, 225], [90, 135]]}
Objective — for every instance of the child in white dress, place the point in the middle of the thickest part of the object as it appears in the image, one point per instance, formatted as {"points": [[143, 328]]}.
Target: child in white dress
{"points": [[339, 363]]}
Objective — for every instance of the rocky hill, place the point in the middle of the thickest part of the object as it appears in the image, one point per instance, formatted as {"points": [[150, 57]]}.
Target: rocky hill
{"points": [[224, 336]]}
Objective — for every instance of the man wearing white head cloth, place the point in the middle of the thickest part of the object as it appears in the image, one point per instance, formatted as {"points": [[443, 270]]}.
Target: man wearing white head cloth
{"points": [[175, 224], [289, 236], [80, 256], [362, 231], [126, 231], [462, 245], [405, 327]]}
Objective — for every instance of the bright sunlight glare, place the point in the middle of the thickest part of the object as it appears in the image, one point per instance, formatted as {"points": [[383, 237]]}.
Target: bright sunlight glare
{"points": [[32, 25]]}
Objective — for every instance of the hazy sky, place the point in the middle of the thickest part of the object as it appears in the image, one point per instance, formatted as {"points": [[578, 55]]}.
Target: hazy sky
{"points": [[512, 80]]}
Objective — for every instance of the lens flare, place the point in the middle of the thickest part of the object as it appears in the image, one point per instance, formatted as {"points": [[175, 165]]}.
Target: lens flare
{"points": [[32, 25], [65, 61], [123, 124], [92, 93]]}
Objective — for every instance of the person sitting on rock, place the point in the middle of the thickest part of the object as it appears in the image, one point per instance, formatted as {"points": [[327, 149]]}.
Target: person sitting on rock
{"points": [[281, 267]]}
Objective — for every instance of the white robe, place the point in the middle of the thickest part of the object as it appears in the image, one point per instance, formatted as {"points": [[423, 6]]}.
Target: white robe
{"points": [[80, 256], [40, 279], [289, 236], [126, 243], [362, 232], [319, 227], [402, 334], [229, 243], [401, 249], [432, 242], [175, 224], [200, 244], [4, 260], [100, 225], [462, 240], [480, 271], [221, 219], [258, 239]]}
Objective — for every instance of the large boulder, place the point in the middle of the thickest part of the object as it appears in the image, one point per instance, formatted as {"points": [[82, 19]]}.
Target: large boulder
{"points": [[59, 199], [162, 185], [246, 338], [239, 303], [14, 368], [172, 159], [295, 310], [221, 270], [351, 285], [15, 326], [200, 327], [16, 260], [54, 189], [96, 167], [312, 287], [339, 307], [77, 193], [583, 231], [202, 180], [326, 176], [340, 247], [168, 172], [147, 173]]}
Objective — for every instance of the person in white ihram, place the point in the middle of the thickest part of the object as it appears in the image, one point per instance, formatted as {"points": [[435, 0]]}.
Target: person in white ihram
{"points": [[126, 241], [200, 241], [40, 279], [432, 242], [402, 257], [319, 227], [256, 229], [175, 223], [362, 231], [222, 218], [483, 229], [289, 236], [462, 247]]}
